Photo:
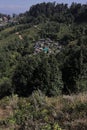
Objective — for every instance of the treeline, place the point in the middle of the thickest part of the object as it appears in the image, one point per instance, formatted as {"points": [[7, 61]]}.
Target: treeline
{"points": [[61, 13]]}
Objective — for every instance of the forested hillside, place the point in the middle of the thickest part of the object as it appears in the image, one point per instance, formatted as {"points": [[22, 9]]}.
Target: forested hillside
{"points": [[43, 57], [28, 61]]}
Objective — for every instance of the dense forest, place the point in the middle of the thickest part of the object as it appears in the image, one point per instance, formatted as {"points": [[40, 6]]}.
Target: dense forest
{"points": [[43, 68], [60, 13], [65, 70]]}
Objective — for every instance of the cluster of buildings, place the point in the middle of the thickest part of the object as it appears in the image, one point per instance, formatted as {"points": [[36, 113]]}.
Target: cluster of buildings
{"points": [[5, 20], [47, 46]]}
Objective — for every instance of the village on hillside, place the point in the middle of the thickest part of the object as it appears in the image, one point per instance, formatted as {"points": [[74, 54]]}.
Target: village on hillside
{"points": [[47, 46], [4, 20]]}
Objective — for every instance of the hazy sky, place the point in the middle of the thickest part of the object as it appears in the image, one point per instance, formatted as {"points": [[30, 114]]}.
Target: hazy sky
{"points": [[18, 6]]}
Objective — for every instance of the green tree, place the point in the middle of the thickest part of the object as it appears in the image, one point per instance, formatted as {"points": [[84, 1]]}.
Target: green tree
{"points": [[37, 72]]}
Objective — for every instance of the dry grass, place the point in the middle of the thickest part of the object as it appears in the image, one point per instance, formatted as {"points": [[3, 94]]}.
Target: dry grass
{"points": [[60, 101], [55, 102], [68, 110], [71, 111]]}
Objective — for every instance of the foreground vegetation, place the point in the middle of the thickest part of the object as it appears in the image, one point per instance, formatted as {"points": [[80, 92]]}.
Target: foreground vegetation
{"points": [[39, 112]]}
